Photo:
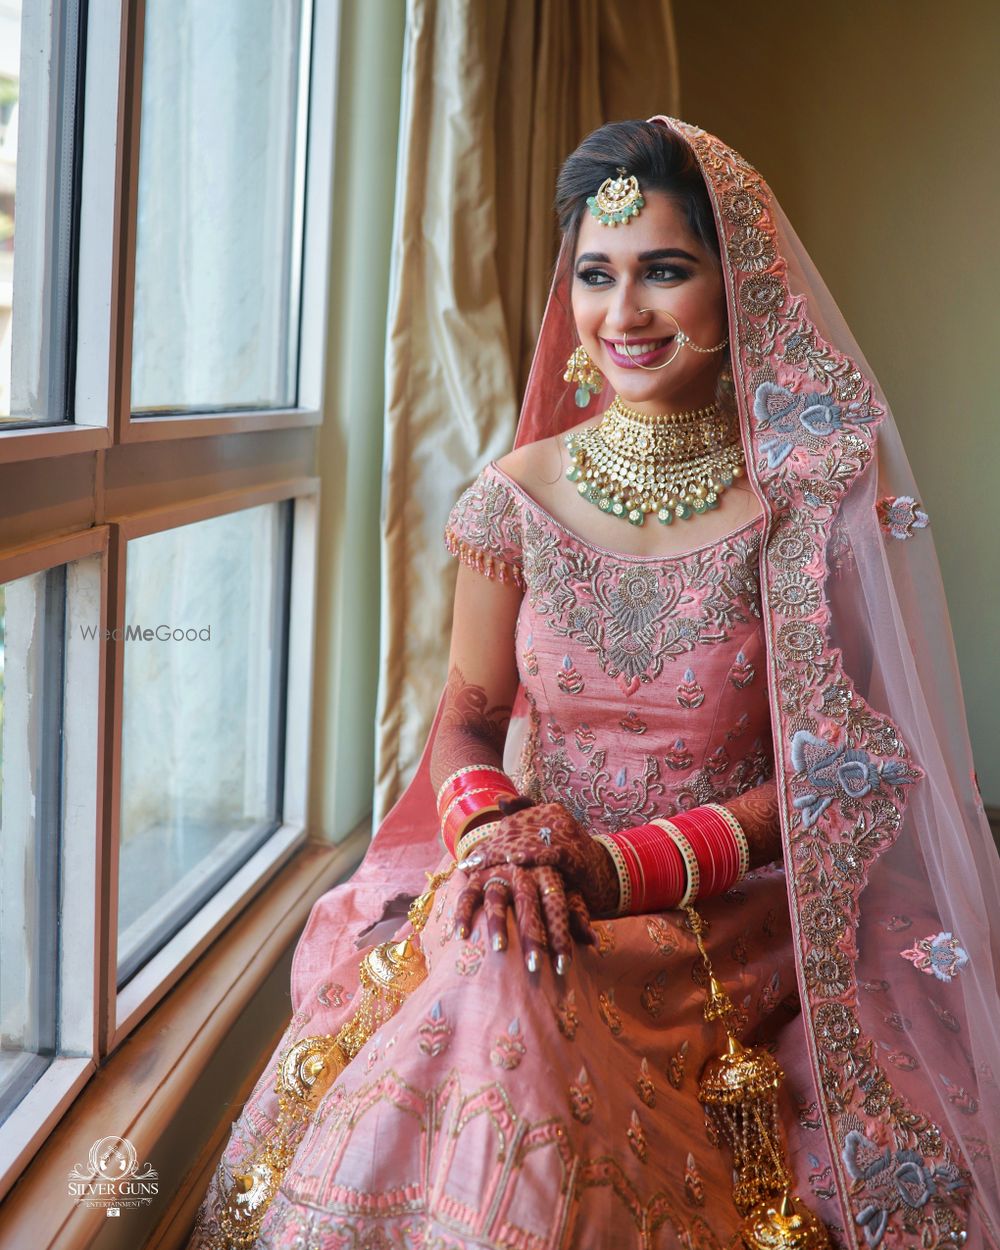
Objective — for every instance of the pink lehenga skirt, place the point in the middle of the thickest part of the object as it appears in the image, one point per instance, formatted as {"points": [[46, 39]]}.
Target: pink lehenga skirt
{"points": [[502, 1108]]}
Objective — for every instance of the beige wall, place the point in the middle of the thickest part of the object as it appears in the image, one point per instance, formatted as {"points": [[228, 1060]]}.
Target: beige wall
{"points": [[876, 124]]}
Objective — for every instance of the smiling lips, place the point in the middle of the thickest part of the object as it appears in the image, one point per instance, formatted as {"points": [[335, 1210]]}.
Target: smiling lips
{"points": [[640, 351]]}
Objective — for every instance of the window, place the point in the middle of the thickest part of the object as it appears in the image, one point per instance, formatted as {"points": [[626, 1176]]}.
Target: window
{"points": [[50, 597], [31, 684], [202, 728], [38, 113], [219, 216], [165, 200]]}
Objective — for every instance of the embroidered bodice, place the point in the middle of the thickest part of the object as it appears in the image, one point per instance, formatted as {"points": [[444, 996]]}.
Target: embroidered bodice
{"points": [[642, 677]]}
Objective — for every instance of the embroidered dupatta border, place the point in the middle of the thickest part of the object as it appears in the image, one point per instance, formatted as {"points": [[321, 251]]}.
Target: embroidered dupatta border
{"points": [[842, 766]]}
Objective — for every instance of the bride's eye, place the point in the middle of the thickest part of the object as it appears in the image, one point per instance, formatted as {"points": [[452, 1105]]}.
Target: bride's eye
{"points": [[655, 273], [666, 273]]}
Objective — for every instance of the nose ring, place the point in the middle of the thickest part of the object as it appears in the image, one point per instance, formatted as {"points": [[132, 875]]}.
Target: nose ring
{"points": [[682, 340]]}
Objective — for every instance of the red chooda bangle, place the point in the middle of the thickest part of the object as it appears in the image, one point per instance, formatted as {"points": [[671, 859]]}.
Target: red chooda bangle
{"points": [[669, 863], [466, 795], [719, 844], [651, 875]]}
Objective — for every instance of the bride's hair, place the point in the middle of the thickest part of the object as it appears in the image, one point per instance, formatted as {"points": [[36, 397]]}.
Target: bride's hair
{"points": [[659, 159]]}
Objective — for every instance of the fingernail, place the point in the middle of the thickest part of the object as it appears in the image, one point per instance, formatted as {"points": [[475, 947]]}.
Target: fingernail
{"points": [[498, 942], [532, 961], [461, 932], [470, 861], [562, 963]]}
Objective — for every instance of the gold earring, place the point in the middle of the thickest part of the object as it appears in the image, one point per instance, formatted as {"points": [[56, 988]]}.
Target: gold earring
{"points": [[588, 378]]}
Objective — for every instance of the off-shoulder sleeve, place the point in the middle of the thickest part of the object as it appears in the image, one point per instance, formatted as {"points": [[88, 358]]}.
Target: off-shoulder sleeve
{"points": [[485, 526]]}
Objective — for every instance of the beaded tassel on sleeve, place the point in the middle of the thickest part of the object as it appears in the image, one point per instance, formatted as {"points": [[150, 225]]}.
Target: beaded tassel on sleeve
{"points": [[490, 566]]}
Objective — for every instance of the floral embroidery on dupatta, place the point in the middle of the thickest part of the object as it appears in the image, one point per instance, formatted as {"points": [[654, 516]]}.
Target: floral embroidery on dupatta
{"points": [[939, 956], [900, 515], [846, 769]]}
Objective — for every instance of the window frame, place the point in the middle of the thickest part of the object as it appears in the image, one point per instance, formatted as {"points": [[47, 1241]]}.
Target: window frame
{"points": [[125, 1007], [108, 205]]}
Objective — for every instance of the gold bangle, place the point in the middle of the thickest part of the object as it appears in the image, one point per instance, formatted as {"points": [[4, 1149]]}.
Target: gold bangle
{"points": [[624, 882], [468, 840], [742, 845], [687, 855]]}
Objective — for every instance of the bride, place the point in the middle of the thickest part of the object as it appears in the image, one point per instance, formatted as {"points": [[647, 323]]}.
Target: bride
{"points": [[700, 659]]}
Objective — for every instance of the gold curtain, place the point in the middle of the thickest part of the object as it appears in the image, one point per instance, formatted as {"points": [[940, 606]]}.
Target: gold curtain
{"points": [[495, 94]]}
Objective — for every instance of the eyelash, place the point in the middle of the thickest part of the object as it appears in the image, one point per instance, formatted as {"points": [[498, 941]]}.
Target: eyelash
{"points": [[584, 275]]}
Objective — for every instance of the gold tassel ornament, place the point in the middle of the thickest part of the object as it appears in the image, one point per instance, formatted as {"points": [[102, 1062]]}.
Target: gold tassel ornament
{"points": [[308, 1068], [739, 1091]]}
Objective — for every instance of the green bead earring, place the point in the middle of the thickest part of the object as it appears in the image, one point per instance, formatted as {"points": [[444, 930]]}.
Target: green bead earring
{"points": [[582, 370]]}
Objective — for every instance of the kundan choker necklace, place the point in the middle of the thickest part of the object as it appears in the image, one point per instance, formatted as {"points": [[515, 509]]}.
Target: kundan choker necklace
{"points": [[676, 465]]}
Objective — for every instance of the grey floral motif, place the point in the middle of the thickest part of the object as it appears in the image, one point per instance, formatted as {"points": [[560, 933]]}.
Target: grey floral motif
{"points": [[900, 515], [892, 1179], [940, 955], [839, 772], [741, 207], [786, 415], [801, 641], [827, 971]]}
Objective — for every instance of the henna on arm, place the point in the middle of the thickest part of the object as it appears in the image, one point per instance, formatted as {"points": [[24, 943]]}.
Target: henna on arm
{"points": [[470, 730], [757, 812]]}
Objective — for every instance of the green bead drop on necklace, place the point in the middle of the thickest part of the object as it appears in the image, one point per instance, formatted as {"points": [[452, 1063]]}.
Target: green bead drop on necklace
{"points": [[632, 464]]}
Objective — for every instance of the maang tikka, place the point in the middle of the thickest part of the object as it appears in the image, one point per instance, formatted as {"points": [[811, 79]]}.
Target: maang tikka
{"points": [[618, 200]]}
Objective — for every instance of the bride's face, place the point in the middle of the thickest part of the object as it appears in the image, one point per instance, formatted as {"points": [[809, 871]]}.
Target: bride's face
{"points": [[626, 279]]}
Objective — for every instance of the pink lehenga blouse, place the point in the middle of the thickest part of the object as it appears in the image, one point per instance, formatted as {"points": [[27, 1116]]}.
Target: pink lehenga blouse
{"points": [[500, 1108]]}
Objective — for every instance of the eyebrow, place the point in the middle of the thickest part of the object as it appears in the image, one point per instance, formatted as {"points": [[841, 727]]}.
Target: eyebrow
{"points": [[659, 253]]}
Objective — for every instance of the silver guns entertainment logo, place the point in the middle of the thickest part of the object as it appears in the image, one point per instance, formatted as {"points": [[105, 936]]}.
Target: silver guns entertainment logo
{"points": [[112, 1178]]}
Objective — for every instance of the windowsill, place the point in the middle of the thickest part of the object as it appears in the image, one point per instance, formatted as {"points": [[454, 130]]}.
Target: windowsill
{"points": [[26, 443], [137, 1090]]}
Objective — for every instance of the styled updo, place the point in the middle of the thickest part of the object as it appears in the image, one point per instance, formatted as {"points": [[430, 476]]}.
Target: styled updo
{"points": [[658, 158]]}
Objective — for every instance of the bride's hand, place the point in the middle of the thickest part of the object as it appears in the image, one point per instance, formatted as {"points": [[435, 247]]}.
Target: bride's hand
{"points": [[547, 914], [547, 836]]}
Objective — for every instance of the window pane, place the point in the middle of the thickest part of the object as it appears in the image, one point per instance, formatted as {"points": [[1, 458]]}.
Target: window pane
{"points": [[31, 682], [220, 207], [203, 724], [38, 48]]}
